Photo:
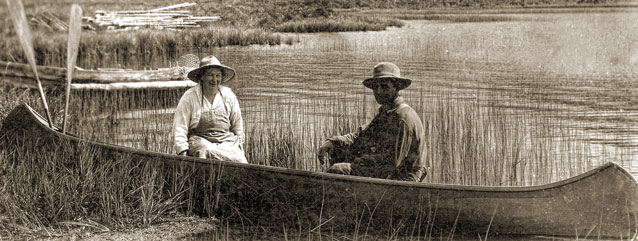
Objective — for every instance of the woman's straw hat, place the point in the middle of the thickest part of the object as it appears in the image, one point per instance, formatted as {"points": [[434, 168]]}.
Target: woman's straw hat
{"points": [[387, 70], [208, 62]]}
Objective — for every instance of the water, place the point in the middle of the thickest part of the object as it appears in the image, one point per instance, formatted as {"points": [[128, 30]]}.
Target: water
{"points": [[572, 74], [578, 70]]}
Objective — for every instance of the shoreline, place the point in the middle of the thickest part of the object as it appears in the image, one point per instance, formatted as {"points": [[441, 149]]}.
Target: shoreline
{"points": [[168, 228]]}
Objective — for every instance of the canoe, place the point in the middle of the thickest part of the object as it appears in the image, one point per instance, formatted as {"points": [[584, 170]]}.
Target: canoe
{"points": [[18, 74], [600, 203]]}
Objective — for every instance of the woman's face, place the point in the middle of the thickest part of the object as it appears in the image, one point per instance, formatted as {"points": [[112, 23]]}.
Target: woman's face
{"points": [[210, 80]]}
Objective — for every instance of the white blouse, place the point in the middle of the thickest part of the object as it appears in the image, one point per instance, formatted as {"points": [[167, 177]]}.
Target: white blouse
{"points": [[189, 111]]}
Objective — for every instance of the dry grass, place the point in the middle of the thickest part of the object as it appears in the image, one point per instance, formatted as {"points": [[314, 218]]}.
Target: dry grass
{"points": [[340, 24]]}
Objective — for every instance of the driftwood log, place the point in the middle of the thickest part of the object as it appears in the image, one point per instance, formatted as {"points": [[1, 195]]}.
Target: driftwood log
{"points": [[80, 75]]}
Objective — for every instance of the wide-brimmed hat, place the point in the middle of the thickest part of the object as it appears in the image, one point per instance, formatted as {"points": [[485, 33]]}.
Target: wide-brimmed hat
{"points": [[387, 70], [208, 62]]}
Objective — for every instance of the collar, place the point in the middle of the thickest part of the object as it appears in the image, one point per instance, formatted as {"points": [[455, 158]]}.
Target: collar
{"points": [[395, 105], [200, 93]]}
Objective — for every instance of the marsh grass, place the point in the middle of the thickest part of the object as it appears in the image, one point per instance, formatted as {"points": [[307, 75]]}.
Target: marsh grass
{"points": [[448, 15], [338, 24], [538, 9], [471, 143], [49, 186], [461, 17], [243, 24], [505, 14], [286, 135], [103, 48]]}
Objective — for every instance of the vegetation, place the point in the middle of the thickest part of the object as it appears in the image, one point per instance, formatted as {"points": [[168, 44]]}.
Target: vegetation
{"points": [[270, 13], [243, 23], [341, 24], [88, 186], [125, 48], [44, 193]]}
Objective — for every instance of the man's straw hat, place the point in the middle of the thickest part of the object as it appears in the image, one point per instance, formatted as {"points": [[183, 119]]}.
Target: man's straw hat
{"points": [[387, 70]]}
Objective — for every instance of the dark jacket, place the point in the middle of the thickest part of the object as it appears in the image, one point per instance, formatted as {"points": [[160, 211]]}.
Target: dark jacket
{"points": [[391, 146]]}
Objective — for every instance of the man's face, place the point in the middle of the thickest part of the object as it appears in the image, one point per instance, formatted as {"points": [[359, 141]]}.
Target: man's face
{"points": [[385, 92], [211, 78]]}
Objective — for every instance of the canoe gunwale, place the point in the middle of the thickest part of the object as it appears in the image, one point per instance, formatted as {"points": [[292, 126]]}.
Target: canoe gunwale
{"points": [[41, 122]]}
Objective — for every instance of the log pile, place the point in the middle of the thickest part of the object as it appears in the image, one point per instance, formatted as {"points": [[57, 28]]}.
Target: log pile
{"points": [[159, 18], [49, 21]]}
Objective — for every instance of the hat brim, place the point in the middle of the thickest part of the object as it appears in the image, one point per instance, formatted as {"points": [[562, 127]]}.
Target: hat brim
{"points": [[399, 83], [228, 73]]}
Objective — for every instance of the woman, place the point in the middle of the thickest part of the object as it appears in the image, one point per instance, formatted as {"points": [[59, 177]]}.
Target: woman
{"points": [[208, 122]]}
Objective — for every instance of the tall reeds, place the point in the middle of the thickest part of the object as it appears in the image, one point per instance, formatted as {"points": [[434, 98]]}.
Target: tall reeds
{"points": [[121, 49], [44, 185], [472, 142]]}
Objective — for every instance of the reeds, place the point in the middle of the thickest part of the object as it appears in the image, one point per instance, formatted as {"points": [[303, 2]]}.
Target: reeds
{"points": [[467, 143], [44, 185], [461, 17], [339, 24], [102, 49]]}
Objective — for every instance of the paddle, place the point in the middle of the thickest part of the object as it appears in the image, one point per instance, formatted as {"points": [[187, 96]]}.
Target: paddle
{"points": [[21, 25], [75, 24]]}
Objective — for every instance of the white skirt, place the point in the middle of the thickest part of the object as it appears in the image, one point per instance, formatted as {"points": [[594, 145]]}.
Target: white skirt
{"points": [[225, 151]]}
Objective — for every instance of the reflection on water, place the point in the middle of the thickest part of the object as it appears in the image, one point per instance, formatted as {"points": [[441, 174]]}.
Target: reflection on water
{"points": [[569, 79]]}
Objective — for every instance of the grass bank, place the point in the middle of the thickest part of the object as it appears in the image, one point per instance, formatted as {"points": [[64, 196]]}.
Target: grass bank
{"points": [[98, 49], [338, 24]]}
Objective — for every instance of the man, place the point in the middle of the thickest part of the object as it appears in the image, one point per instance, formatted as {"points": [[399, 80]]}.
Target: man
{"points": [[392, 145]]}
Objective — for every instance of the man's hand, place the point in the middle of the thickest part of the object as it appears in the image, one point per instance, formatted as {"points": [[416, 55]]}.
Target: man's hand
{"points": [[325, 148]]}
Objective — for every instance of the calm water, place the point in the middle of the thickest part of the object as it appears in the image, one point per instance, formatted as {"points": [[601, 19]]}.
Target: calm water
{"points": [[573, 74]]}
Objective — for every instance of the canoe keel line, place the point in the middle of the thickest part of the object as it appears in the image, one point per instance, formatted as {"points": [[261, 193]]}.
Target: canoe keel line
{"points": [[599, 203]]}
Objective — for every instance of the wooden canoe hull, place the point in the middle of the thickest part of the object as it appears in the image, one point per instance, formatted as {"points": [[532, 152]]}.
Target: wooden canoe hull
{"points": [[599, 203], [19, 74]]}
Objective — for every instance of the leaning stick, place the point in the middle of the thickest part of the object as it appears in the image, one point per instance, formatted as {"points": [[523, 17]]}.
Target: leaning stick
{"points": [[75, 24], [24, 33]]}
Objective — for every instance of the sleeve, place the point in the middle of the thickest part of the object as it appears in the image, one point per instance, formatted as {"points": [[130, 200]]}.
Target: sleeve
{"points": [[409, 153], [236, 120], [345, 140], [181, 124]]}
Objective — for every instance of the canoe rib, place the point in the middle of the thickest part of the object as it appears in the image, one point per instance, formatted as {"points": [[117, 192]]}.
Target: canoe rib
{"points": [[601, 202]]}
